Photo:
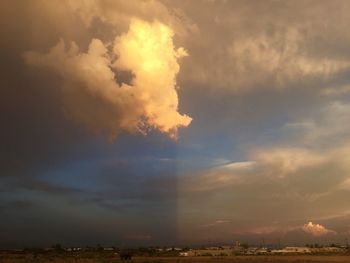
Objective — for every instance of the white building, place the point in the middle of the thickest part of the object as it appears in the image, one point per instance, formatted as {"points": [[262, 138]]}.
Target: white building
{"points": [[289, 250]]}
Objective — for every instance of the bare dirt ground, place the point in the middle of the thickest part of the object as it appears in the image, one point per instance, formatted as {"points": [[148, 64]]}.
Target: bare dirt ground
{"points": [[24, 258]]}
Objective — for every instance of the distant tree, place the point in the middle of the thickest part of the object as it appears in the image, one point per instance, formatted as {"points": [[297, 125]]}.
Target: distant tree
{"points": [[125, 255], [57, 247], [99, 247], [245, 245]]}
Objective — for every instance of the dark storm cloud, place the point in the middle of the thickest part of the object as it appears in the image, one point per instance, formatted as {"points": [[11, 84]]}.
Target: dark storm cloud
{"points": [[38, 140], [15, 205], [121, 185], [35, 135]]}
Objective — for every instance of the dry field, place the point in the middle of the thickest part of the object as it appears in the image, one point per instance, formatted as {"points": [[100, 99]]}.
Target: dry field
{"points": [[24, 258]]}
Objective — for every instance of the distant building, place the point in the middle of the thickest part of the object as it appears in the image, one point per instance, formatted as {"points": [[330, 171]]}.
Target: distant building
{"points": [[207, 252], [328, 250], [292, 250], [225, 247], [261, 251]]}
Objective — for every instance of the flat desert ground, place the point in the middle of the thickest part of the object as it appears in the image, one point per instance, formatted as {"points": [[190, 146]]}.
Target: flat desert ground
{"points": [[21, 258]]}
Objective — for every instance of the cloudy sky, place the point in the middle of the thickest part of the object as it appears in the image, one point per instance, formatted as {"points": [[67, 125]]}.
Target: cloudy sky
{"points": [[174, 122]]}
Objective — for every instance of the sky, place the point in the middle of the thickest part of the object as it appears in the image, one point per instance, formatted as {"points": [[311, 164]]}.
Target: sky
{"points": [[136, 123]]}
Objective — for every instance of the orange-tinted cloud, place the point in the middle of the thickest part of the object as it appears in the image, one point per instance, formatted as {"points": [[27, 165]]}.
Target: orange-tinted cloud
{"points": [[148, 51], [316, 229], [92, 95]]}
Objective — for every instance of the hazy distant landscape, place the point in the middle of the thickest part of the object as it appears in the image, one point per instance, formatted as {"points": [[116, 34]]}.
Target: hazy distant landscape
{"points": [[110, 258], [57, 254]]}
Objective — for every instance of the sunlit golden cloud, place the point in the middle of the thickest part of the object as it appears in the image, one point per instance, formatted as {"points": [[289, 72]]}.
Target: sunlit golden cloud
{"points": [[93, 96], [148, 51]]}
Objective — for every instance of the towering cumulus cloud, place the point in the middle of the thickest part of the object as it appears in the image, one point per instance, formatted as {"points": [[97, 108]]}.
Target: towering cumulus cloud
{"points": [[316, 229], [91, 92]]}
